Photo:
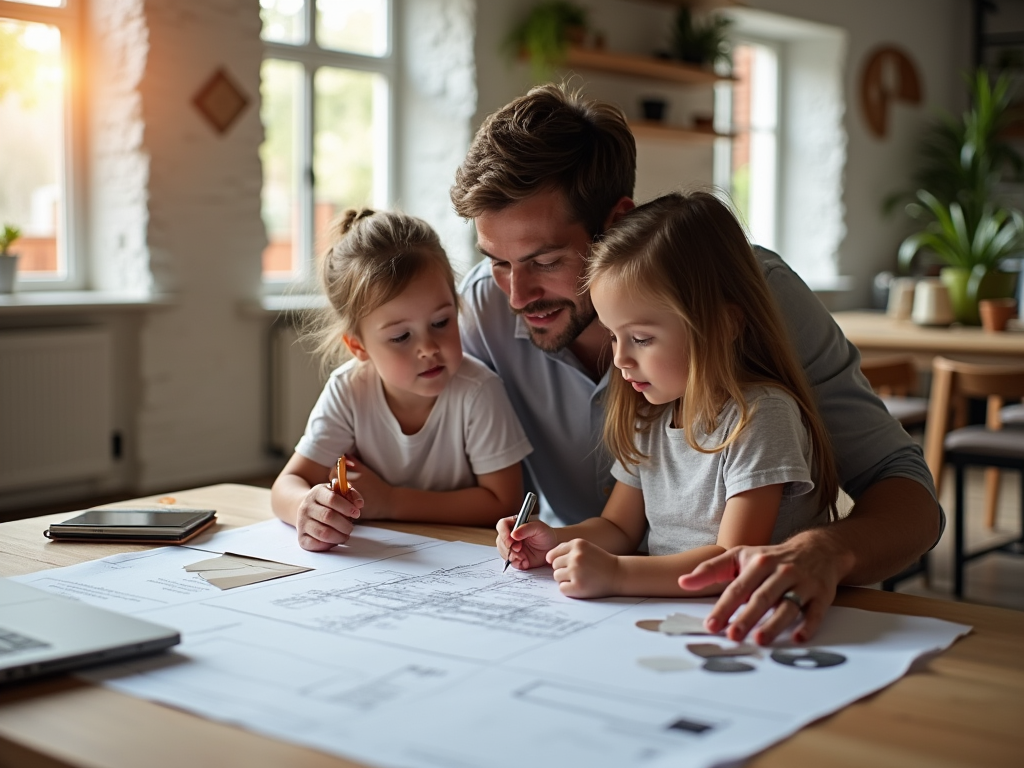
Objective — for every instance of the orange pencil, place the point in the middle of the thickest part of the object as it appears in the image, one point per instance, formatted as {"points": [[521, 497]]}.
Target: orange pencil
{"points": [[342, 486]]}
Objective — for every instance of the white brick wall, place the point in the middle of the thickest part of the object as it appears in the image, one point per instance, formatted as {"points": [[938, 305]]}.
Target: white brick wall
{"points": [[175, 206]]}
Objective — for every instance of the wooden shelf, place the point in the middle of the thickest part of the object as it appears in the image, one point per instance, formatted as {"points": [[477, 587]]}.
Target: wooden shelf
{"points": [[697, 5], [649, 129], [640, 66]]}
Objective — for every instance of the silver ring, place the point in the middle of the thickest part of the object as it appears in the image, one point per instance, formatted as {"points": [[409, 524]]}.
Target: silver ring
{"points": [[795, 599]]}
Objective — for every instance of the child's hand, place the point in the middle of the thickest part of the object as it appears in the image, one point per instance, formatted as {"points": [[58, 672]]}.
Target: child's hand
{"points": [[325, 518], [531, 543], [372, 489], [583, 569]]}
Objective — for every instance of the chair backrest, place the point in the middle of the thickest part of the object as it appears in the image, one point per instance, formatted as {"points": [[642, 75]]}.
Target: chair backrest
{"points": [[955, 380], [983, 379], [893, 375]]}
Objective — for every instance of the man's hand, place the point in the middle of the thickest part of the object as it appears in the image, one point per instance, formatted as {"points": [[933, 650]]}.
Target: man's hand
{"points": [[583, 569], [805, 565], [325, 518]]}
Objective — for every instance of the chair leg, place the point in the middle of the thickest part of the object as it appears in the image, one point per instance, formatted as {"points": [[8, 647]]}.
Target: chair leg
{"points": [[991, 496], [958, 533], [1021, 539]]}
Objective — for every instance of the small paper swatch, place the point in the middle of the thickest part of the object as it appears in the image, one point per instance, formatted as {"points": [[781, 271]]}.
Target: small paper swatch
{"points": [[666, 663], [228, 571]]}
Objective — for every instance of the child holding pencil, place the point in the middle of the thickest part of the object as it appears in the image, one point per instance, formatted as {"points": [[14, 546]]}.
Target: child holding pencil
{"points": [[430, 431]]}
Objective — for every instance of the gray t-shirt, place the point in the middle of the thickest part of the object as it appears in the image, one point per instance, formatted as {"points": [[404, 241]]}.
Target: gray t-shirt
{"points": [[685, 490], [561, 407]]}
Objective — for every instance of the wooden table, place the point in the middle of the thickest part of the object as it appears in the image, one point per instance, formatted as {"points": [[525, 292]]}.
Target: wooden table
{"points": [[875, 333], [961, 708]]}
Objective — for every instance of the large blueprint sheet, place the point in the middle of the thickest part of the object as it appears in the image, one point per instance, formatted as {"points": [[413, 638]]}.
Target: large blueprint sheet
{"points": [[400, 650]]}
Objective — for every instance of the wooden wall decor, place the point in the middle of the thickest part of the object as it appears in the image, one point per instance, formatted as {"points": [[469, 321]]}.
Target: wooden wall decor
{"points": [[220, 101], [889, 75]]}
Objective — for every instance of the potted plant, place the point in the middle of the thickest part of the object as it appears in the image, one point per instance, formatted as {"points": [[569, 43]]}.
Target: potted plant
{"points": [[972, 248], [964, 159], [8, 260], [701, 43], [544, 36]]}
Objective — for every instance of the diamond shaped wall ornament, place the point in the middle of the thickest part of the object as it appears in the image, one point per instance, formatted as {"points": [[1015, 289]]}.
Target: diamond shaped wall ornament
{"points": [[220, 101]]}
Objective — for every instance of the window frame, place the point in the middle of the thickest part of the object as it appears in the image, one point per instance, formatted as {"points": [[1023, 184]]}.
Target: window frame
{"points": [[311, 56], [68, 19]]}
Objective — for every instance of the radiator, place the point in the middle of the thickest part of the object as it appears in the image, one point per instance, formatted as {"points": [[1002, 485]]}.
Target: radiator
{"points": [[55, 406], [295, 385]]}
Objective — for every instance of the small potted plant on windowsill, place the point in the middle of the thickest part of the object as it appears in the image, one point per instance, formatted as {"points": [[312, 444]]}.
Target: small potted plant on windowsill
{"points": [[8, 260]]}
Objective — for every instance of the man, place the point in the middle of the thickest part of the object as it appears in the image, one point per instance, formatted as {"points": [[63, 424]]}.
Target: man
{"points": [[544, 176]]}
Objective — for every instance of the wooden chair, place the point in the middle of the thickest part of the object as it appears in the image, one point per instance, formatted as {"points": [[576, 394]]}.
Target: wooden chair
{"points": [[987, 445], [895, 380]]}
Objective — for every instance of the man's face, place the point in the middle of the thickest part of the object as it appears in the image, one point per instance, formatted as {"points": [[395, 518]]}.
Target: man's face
{"points": [[537, 254]]}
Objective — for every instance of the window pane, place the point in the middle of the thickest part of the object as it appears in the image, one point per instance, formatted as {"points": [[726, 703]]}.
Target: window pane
{"points": [[755, 146], [349, 146], [280, 84], [282, 21], [357, 26], [32, 144]]}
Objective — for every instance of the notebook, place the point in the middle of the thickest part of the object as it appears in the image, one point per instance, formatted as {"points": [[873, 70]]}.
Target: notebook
{"points": [[41, 633]]}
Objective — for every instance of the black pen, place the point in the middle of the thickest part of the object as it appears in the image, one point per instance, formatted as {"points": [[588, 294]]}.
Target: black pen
{"points": [[522, 519]]}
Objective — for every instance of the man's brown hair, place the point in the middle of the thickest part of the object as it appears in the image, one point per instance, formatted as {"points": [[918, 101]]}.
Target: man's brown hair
{"points": [[550, 138]]}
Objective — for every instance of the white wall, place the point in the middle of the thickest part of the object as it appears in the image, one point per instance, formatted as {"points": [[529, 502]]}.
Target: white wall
{"points": [[935, 33], [936, 36]]}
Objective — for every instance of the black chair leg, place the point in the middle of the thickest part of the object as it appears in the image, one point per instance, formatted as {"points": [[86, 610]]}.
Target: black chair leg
{"points": [[958, 533]]}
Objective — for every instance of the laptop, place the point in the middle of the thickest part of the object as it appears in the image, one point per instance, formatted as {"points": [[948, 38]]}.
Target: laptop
{"points": [[41, 633]]}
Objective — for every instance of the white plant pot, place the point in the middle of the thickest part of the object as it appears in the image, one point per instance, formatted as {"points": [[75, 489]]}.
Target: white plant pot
{"points": [[8, 269]]}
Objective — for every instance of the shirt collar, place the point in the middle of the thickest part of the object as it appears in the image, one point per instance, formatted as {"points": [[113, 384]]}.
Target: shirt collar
{"points": [[564, 356]]}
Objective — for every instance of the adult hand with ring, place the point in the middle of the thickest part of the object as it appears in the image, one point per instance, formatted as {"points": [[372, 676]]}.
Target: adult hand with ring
{"points": [[768, 588], [794, 598]]}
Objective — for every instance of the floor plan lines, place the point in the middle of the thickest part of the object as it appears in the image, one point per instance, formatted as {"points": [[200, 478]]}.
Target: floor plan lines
{"points": [[467, 594]]}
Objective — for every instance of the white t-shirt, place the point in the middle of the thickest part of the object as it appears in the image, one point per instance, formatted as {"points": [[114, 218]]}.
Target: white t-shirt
{"points": [[685, 490], [471, 431]]}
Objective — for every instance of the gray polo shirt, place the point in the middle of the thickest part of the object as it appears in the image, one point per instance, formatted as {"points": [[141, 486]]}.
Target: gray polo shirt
{"points": [[560, 406]]}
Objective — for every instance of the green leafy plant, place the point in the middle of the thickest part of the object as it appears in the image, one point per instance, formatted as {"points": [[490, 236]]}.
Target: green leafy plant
{"points": [[703, 43], [544, 36], [977, 246], [8, 235], [962, 160]]}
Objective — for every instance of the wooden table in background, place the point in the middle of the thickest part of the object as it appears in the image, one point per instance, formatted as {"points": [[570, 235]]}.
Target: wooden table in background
{"points": [[961, 708], [874, 333]]}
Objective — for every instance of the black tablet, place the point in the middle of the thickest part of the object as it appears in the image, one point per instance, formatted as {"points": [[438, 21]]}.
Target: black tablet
{"points": [[148, 524]]}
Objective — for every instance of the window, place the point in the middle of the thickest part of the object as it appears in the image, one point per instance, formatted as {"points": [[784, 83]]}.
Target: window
{"points": [[755, 147], [326, 88], [37, 162]]}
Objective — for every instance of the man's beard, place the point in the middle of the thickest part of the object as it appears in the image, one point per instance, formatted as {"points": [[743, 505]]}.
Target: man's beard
{"points": [[543, 338]]}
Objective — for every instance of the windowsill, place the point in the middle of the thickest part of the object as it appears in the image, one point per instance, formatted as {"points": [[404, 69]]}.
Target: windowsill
{"points": [[283, 304], [53, 302]]}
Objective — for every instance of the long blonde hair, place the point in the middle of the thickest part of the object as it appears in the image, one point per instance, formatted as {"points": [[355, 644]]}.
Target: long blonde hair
{"points": [[373, 256], [688, 253]]}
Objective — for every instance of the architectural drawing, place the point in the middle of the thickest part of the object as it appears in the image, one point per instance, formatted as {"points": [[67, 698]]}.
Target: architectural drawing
{"points": [[471, 594], [421, 653]]}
